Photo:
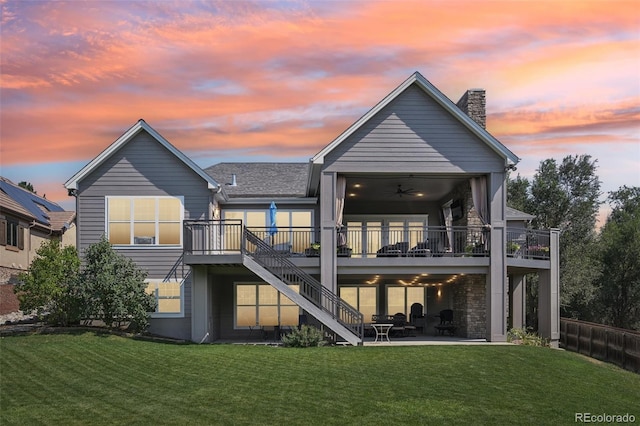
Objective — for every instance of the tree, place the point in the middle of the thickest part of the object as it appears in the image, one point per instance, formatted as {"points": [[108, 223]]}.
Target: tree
{"points": [[113, 288], [48, 287], [26, 185], [565, 196], [619, 290], [519, 198], [518, 193]]}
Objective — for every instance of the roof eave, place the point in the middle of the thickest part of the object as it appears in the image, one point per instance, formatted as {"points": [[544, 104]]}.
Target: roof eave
{"points": [[438, 96], [72, 183]]}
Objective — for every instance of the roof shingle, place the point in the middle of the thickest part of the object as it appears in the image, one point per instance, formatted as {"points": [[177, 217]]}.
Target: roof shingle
{"points": [[262, 180]]}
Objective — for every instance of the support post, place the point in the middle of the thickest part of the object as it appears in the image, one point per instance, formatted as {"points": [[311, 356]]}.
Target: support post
{"points": [[497, 277], [518, 300], [549, 294], [201, 331], [328, 240]]}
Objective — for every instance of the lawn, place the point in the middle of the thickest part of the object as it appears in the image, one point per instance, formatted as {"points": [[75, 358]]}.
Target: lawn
{"points": [[86, 378]]}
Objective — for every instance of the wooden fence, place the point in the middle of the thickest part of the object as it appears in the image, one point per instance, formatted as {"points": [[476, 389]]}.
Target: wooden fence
{"points": [[610, 344]]}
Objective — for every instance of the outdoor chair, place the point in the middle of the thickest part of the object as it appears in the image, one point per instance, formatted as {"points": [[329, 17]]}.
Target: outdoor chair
{"points": [[446, 323], [393, 250], [417, 318], [420, 250], [282, 248], [400, 325], [269, 331]]}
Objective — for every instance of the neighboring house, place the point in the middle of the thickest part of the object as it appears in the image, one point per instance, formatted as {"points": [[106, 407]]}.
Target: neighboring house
{"points": [[26, 221], [405, 208]]}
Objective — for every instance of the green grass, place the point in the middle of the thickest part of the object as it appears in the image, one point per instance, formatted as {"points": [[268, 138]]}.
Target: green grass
{"points": [[85, 378]]}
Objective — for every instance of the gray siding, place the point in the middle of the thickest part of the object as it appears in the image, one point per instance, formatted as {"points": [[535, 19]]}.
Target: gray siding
{"points": [[413, 134], [142, 167]]}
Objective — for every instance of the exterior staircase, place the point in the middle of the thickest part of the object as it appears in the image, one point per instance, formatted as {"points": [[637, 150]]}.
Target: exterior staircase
{"points": [[275, 269]]}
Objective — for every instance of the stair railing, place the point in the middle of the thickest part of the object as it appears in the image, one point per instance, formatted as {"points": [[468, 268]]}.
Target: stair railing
{"points": [[310, 288]]}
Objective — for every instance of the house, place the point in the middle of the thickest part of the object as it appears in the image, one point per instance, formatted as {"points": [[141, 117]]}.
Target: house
{"points": [[26, 221], [407, 207]]}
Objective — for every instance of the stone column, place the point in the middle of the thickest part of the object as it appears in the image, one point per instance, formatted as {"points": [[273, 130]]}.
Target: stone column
{"points": [[469, 311]]}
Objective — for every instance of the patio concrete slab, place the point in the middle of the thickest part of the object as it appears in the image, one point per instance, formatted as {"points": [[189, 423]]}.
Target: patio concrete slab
{"points": [[431, 341]]}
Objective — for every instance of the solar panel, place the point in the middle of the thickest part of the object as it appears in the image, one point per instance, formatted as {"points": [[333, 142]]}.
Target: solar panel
{"points": [[30, 201]]}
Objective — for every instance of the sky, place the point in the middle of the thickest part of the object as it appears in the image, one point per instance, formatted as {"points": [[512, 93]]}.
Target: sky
{"points": [[279, 80]]}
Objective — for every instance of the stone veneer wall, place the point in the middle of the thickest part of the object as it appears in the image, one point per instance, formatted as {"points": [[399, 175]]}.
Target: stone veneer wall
{"points": [[473, 103], [8, 300], [469, 306], [462, 192]]}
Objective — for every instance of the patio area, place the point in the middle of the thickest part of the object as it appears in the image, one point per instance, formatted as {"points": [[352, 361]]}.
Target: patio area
{"points": [[424, 340], [418, 340]]}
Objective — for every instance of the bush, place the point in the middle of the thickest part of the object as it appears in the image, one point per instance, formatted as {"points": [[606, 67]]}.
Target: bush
{"points": [[49, 285], [523, 337], [304, 337], [113, 288]]}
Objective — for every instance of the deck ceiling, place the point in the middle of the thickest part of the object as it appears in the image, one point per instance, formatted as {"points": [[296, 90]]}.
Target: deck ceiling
{"points": [[402, 279], [381, 187]]}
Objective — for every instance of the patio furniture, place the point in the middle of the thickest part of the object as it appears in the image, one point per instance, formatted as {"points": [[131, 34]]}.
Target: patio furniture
{"points": [[417, 318], [382, 331], [344, 251], [271, 330], [394, 250], [420, 250], [282, 248], [446, 323]]}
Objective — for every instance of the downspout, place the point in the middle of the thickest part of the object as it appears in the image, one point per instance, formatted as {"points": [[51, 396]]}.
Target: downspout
{"points": [[33, 223]]}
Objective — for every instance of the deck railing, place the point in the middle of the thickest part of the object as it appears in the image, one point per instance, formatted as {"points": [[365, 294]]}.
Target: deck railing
{"points": [[225, 236], [528, 243]]}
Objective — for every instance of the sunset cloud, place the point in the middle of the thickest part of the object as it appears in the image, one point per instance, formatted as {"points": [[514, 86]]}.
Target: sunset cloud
{"points": [[264, 79]]}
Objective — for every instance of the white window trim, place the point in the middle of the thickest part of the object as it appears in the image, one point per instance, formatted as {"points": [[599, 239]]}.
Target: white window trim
{"points": [[155, 246], [168, 314]]}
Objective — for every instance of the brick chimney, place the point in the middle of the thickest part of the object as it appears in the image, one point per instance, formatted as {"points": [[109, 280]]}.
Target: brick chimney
{"points": [[472, 103]]}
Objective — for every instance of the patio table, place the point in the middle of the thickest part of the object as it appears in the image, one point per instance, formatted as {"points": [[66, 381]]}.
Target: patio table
{"points": [[382, 331]]}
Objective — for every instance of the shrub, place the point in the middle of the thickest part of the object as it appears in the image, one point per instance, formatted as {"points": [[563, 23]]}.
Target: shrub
{"points": [[113, 288], [304, 337], [523, 337], [49, 285]]}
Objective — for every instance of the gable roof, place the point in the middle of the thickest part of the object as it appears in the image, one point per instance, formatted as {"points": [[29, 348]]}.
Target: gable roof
{"points": [[513, 214], [421, 82], [27, 203], [262, 180], [141, 125]]}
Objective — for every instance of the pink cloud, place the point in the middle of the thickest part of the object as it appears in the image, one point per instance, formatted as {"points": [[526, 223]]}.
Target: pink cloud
{"points": [[269, 77]]}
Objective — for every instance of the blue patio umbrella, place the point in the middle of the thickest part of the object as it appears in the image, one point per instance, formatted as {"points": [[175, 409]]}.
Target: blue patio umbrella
{"points": [[273, 227]]}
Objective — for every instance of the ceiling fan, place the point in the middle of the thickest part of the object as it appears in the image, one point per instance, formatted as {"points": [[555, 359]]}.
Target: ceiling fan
{"points": [[400, 192]]}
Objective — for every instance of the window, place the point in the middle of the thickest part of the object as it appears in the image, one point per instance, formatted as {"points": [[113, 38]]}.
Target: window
{"points": [[363, 298], [294, 226], [261, 304], [155, 221], [367, 234], [400, 299], [11, 234], [169, 297]]}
